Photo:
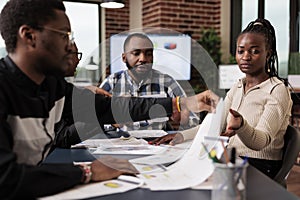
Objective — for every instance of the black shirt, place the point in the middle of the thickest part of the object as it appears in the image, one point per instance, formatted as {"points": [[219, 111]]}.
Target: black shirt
{"points": [[28, 114]]}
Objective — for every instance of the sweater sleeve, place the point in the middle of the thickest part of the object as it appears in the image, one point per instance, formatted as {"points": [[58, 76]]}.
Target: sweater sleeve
{"points": [[227, 105], [277, 107]]}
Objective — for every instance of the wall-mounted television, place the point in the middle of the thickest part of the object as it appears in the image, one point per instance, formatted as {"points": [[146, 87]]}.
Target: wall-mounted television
{"points": [[172, 54]]}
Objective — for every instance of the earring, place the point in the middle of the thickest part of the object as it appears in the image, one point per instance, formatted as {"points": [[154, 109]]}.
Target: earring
{"points": [[268, 66]]}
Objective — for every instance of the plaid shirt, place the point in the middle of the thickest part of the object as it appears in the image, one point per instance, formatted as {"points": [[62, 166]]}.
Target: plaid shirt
{"points": [[157, 84]]}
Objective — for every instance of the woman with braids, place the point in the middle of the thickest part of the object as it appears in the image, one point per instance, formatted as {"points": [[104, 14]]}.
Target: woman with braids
{"points": [[258, 107]]}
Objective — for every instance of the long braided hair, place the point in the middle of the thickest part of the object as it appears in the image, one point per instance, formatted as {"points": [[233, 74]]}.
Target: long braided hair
{"points": [[265, 28]]}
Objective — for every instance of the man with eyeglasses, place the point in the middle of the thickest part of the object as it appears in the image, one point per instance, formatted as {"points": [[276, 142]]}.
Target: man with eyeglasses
{"points": [[33, 96], [73, 59], [66, 128]]}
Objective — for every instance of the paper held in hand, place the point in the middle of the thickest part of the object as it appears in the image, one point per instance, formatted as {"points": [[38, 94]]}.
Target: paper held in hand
{"points": [[195, 166]]}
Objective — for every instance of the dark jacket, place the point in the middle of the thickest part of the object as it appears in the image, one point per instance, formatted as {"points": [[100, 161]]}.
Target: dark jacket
{"points": [[28, 113]]}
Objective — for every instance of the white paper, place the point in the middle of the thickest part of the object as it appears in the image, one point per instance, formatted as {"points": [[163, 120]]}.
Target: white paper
{"points": [[206, 185], [130, 149], [122, 184], [94, 143], [172, 154], [147, 133], [195, 166], [123, 146], [192, 169], [147, 169]]}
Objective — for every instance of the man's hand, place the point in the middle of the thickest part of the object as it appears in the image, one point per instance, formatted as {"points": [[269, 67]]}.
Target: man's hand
{"points": [[204, 101], [97, 90], [109, 167]]}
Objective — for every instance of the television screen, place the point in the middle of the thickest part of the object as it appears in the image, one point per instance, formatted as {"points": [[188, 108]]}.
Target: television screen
{"points": [[172, 54]]}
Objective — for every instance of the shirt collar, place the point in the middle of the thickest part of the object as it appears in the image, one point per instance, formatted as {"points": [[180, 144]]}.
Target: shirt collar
{"points": [[268, 84], [143, 82], [21, 79]]}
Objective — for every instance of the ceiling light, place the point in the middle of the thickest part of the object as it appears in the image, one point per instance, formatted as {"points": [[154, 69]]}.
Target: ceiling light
{"points": [[91, 65], [112, 4]]}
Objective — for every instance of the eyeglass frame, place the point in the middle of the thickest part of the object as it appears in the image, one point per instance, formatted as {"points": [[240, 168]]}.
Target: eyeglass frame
{"points": [[79, 54], [70, 34]]}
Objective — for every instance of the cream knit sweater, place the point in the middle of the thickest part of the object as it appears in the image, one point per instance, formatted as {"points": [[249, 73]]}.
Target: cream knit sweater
{"points": [[266, 109]]}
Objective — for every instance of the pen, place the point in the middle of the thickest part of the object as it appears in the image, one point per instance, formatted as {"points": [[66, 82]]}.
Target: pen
{"points": [[162, 167], [233, 155], [225, 152], [129, 179], [241, 169], [245, 160], [212, 155], [82, 163], [220, 138]]}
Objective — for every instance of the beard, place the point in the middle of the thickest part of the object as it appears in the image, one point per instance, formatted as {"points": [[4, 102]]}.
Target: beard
{"points": [[139, 74]]}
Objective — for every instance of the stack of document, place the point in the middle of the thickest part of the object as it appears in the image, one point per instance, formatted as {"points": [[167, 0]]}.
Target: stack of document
{"points": [[130, 149], [125, 146], [147, 133], [192, 168]]}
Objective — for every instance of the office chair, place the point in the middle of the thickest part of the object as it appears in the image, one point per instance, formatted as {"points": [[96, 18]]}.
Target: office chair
{"points": [[295, 109], [291, 150]]}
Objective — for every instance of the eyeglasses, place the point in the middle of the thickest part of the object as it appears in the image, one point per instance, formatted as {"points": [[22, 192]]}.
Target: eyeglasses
{"points": [[79, 54], [67, 35]]}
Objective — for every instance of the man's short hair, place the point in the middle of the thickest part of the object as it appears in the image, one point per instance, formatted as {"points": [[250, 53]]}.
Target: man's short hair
{"points": [[139, 35], [33, 13]]}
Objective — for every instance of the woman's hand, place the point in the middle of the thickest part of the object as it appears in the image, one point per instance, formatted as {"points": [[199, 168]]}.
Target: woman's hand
{"points": [[171, 139], [235, 122]]}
